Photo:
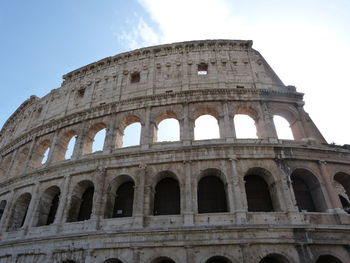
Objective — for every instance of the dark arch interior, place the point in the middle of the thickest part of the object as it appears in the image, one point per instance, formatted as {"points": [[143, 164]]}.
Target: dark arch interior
{"points": [[2, 207], [112, 260], [218, 259], [328, 259], [86, 204], [303, 195], [258, 194], [124, 200], [211, 195], [167, 197], [53, 209], [19, 212]]}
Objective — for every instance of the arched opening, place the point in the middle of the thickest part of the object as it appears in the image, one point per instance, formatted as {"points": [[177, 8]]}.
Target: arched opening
{"points": [[131, 135], [19, 211], [218, 259], [48, 206], [41, 154], [307, 191], [163, 260], [64, 148], [95, 138], [68, 261], [167, 197], [112, 260], [168, 130], [258, 194], [120, 197], [274, 258], [245, 127], [81, 202], [283, 128], [342, 185], [327, 259], [211, 194], [2, 207], [124, 199], [99, 140], [206, 127]]}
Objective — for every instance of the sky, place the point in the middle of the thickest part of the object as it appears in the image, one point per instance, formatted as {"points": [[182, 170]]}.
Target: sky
{"points": [[306, 42]]}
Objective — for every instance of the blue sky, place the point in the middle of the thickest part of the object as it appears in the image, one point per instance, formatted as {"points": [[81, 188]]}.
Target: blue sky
{"points": [[306, 42]]}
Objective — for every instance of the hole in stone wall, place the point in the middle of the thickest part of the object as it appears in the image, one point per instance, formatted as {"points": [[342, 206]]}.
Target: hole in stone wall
{"points": [[132, 135], [258, 194], [202, 69], [70, 148], [206, 127], [46, 156], [135, 77], [99, 140], [283, 129], [245, 127], [81, 92], [167, 197], [124, 199], [168, 130], [19, 212]]}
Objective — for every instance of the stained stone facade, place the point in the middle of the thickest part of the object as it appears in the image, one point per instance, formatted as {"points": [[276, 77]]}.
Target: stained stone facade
{"points": [[227, 199]]}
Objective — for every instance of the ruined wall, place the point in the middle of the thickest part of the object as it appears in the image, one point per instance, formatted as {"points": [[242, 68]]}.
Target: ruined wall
{"points": [[183, 81]]}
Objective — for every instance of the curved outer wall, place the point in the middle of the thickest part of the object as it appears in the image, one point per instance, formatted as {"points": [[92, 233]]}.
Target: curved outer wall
{"points": [[147, 86]]}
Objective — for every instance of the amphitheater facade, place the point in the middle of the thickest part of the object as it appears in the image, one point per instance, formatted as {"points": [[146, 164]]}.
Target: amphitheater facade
{"points": [[225, 199]]}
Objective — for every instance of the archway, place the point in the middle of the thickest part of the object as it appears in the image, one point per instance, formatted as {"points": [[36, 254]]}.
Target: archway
{"points": [[167, 197]]}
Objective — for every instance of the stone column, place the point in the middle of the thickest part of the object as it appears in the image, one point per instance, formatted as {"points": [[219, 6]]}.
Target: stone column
{"points": [[111, 135], [145, 130], [12, 162], [79, 143], [265, 125], [32, 208], [332, 199], [188, 210], [139, 196], [55, 142], [237, 185], [99, 196], [63, 207], [186, 129], [230, 133]]}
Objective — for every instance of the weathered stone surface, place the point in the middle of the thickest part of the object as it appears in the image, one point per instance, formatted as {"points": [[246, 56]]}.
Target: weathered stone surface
{"points": [[182, 81]]}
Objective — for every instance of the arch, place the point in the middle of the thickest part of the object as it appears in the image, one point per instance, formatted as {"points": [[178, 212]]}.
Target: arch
{"points": [[307, 191], [3, 204], [5, 164], [258, 191], [206, 127], [64, 149], [274, 258], [41, 153], [112, 260], [81, 202], [167, 197], [245, 126], [168, 130], [283, 128], [211, 192], [48, 206], [19, 211], [218, 259], [94, 139], [163, 260], [129, 132], [120, 197], [328, 259], [343, 189], [291, 115]]}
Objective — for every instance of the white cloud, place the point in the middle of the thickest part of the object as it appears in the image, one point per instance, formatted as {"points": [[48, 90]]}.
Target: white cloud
{"points": [[306, 46]]}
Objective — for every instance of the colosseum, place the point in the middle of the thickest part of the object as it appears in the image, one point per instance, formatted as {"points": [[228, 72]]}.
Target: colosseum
{"points": [[229, 198]]}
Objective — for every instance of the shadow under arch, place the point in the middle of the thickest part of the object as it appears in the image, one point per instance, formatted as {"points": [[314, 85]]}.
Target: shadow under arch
{"points": [[120, 197], [328, 259], [163, 260], [167, 196], [218, 259], [212, 192], [307, 191], [112, 260], [344, 180], [261, 191], [274, 258]]}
